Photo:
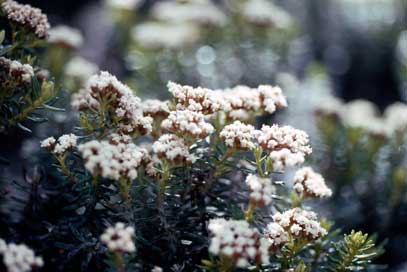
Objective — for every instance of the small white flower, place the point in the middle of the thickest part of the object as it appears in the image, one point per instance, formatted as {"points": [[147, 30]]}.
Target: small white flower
{"points": [[310, 184], [19, 258], [119, 238], [60, 146]]}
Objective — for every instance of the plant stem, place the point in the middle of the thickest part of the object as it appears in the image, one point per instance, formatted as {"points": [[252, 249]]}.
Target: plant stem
{"points": [[249, 213], [119, 262]]}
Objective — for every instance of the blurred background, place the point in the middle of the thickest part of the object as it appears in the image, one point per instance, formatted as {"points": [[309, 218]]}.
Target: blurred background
{"points": [[341, 63]]}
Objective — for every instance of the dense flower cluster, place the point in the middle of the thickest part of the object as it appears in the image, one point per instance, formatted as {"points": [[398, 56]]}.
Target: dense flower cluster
{"points": [[119, 238], [195, 99], [276, 234], [300, 223], [114, 159], [60, 146], [65, 36], [310, 184], [172, 148], [241, 102], [187, 122], [104, 92], [19, 258], [15, 70], [238, 135], [261, 190], [236, 240], [27, 17], [155, 108], [286, 145]]}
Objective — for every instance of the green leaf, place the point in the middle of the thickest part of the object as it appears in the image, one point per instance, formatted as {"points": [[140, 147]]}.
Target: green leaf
{"points": [[52, 108], [19, 125], [2, 36]]}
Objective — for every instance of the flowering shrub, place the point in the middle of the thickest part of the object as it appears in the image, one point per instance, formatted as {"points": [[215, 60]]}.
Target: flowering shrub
{"points": [[25, 88], [187, 184]]}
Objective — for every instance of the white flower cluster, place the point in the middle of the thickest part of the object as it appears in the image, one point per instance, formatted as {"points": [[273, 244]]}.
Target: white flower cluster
{"points": [[155, 35], [198, 12], [187, 122], [16, 70], [300, 223], [105, 88], [114, 159], [276, 234], [60, 146], [19, 258], [119, 238], [286, 145], [396, 117], [242, 101], [236, 240], [195, 99], [66, 36], [310, 184], [265, 13], [363, 114], [238, 135], [155, 108], [261, 190], [80, 68], [271, 98], [172, 148], [27, 16]]}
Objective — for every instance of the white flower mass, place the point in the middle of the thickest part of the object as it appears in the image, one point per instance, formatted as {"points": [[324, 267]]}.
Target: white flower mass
{"points": [[310, 184], [60, 146], [261, 190], [300, 223], [237, 240], [238, 135], [119, 238], [19, 258]]}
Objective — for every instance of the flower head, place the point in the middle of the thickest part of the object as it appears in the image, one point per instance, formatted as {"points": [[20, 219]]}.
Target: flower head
{"points": [[60, 146], [236, 240], [286, 145], [119, 238], [114, 159], [187, 122], [300, 223], [195, 99], [277, 235], [15, 71], [19, 258], [310, 184], [261, 190], [28, 17], [172, 148], [238, 135]]}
